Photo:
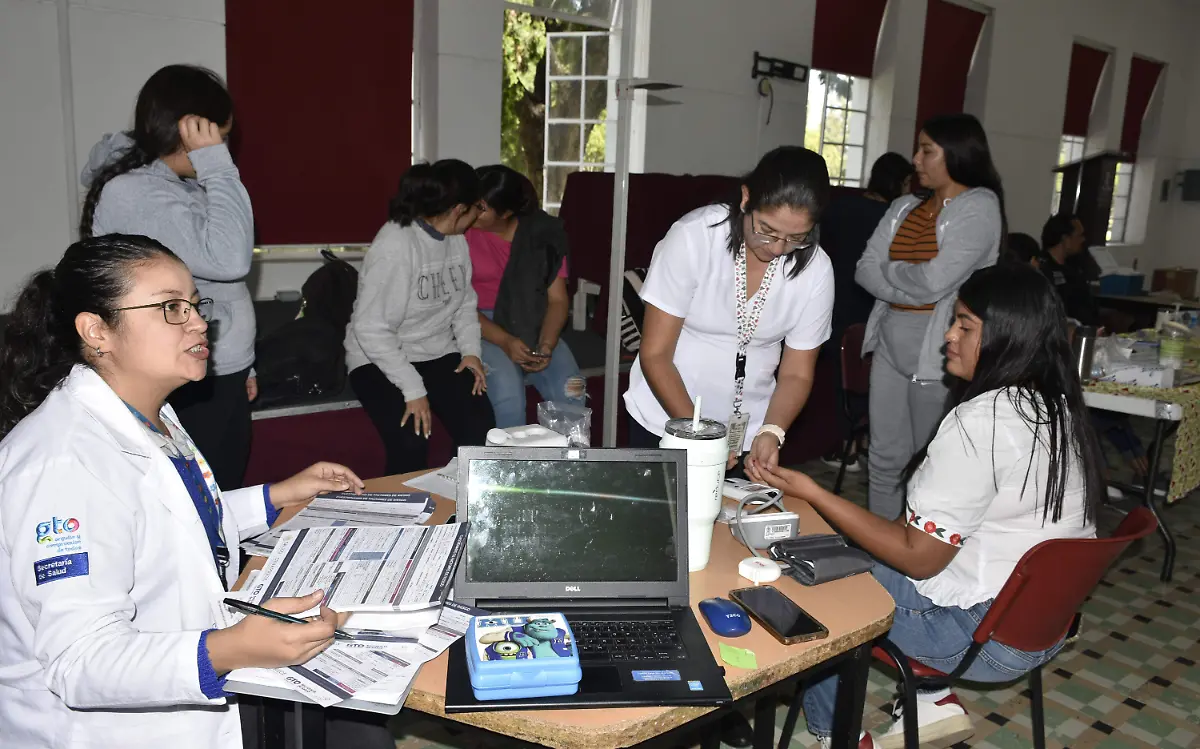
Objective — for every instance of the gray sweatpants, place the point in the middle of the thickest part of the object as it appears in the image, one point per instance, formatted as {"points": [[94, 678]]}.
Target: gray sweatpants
{"points": [[904, 414]]}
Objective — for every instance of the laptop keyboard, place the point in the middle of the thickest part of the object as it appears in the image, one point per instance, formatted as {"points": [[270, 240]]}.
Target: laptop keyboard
{"points": [[622, 641]]}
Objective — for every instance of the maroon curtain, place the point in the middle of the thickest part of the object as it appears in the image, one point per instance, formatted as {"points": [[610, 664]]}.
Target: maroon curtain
{"points": [[1087, 65], [322, 110], [951, 33], [845, 34], [1143, 77]]}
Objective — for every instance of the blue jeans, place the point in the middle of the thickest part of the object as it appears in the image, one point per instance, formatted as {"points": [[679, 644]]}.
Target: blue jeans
{"points": [[560, 381], [935, 635]]}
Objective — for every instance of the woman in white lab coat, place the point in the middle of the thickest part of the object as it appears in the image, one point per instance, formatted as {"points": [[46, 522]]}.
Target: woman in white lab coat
{"points": [[114, 539]]}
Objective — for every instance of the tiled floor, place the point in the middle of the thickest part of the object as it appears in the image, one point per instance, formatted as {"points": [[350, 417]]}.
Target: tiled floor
{"points": [[1132, 680]]}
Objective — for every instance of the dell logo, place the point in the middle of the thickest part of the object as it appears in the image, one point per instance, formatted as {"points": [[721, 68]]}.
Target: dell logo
{"points": [[572, 588]]}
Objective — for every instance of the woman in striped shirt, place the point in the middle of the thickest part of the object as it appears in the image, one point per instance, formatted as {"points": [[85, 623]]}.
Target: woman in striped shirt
{"points": [[922, 251]]}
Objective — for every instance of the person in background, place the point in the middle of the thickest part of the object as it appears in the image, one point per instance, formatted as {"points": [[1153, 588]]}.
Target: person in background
{"points": [[115, 540], [920, 253], [1014, 463], [846, 225], [519, 271], [1024, 249], [171, 178], [412, 345], [1063, 239], [739, 299]]}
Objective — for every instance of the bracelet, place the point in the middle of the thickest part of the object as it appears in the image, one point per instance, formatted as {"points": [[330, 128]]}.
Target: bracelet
{"points": [[771, 429]]}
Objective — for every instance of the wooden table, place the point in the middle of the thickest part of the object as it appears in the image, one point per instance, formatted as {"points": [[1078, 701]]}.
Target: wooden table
{"points": [[856, 611]]}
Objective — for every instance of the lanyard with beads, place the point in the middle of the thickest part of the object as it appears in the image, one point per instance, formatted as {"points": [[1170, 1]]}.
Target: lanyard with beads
{"points": [[192, 472]]}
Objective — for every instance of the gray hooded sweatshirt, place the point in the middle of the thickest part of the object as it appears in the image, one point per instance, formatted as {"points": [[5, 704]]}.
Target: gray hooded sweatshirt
{"points": [[206, 221], [968, 238]]}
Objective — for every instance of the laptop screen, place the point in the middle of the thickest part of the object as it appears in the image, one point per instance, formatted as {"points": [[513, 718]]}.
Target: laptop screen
{"points": [[571, 521]]}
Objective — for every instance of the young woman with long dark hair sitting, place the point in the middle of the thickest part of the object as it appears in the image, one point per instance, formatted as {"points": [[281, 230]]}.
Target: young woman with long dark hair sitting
{"points": [[1014, 463], [519, 270]]}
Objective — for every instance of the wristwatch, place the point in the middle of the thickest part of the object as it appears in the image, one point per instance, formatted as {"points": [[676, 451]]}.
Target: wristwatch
{"points": [[771, 429]]}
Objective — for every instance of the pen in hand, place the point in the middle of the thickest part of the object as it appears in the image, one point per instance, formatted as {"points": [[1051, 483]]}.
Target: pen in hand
{"points": [[250, 608]]}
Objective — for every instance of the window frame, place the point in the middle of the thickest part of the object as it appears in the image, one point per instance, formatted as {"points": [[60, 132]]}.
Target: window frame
{"points": [[1070, 148], [1120, 217], [842, 179]]}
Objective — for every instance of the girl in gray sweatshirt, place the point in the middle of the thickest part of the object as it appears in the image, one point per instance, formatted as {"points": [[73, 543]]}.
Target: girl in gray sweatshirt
{"points": [[171, 178], [413, 342]]}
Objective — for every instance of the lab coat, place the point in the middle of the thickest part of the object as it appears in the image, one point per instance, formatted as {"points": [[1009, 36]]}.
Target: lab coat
{"points": [[107, 581]]}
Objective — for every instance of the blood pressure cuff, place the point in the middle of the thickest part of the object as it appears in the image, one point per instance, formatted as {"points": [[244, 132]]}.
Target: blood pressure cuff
{"points": [[819, 558]]}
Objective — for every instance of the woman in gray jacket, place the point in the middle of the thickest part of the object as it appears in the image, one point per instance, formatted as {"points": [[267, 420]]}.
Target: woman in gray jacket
{"points": [[171, 178], [923, 250]]}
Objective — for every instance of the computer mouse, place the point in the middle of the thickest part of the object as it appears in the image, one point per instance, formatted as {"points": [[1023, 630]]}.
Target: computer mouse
{"points": [[724, 617]]}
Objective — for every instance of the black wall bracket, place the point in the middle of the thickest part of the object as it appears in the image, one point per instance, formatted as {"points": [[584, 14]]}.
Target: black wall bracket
{"points": [[771, 67]]}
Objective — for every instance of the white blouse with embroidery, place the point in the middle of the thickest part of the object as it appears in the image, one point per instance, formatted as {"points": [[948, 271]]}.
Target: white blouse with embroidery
{"points": [[982, 488]]}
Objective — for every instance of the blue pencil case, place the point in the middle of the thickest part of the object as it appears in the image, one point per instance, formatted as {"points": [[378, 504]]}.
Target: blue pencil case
{"points": [[522, 655]]}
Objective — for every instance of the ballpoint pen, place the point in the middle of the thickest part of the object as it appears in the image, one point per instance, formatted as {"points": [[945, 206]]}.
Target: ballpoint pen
{"points": [[250, 608]]}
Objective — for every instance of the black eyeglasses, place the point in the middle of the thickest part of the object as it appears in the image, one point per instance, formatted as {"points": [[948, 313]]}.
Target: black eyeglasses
{"points": [[761, 239], [178, 311]]}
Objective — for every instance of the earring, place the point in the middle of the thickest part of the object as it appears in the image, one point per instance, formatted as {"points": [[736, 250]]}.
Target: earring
{"points": [[99, 352]]}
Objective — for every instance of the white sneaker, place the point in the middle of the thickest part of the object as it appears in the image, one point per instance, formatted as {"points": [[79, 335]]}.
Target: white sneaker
{"points": [[942, 723], [854, 465], [865, 741]]}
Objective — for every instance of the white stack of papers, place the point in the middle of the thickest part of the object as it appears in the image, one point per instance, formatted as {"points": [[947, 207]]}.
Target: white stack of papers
{"points": [[344, 509], [443, 481], [374, 667], [390, 579]]}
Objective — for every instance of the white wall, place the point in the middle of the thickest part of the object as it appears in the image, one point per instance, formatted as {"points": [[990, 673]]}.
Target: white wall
{"points": [[51, 112], [706, 46]]}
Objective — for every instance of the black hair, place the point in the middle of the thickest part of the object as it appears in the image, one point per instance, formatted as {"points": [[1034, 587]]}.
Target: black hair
{"points": [[787, 177], [1057, 228], [1023, 248], [168, 96], [888, 174], [1024, 349], [41, 344], [967, 154], [427, 190], [506, 190]]}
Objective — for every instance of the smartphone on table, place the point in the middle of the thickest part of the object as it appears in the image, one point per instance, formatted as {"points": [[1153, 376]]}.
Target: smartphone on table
{"points": [[779, 614]]}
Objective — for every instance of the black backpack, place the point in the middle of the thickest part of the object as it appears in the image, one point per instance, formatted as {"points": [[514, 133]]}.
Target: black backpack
{"points": [[305, 357]]}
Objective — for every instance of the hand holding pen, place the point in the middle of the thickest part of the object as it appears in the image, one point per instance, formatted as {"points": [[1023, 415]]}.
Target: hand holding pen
{"points": [[266, 641]]}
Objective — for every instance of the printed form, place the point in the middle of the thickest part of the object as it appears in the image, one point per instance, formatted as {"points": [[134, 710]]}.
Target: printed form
{"points": [[345, 509]]}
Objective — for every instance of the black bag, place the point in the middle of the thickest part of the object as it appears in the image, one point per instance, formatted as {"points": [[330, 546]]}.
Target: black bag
{"points": [[306, 358]]}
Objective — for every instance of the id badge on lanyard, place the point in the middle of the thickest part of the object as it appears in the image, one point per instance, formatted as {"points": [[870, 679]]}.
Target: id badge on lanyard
{"points": [[748, 315]]}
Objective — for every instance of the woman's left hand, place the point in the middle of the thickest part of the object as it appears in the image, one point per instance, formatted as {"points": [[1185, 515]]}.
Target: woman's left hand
{"points": [[763, 457], [476, 366], [317, 478]]}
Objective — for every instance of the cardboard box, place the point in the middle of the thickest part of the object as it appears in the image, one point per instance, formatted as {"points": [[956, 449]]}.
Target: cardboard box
{"points": [[1182, 281]]}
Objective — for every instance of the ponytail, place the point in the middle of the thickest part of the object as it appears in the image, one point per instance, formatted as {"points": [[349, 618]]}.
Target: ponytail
{"points": [[35, 357], [428, 190], [132, 159], [41, 344], [171, 94]]}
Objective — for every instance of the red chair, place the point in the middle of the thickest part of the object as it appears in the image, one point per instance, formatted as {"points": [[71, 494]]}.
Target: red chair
{"points": [[1032, 612], [856, 380]]}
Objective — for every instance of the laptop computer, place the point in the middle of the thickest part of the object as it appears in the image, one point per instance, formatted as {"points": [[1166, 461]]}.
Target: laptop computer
{"points": [[600, 535]]}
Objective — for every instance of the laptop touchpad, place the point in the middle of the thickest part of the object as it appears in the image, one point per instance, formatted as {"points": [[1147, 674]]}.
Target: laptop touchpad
{"points": [[600, 679]]}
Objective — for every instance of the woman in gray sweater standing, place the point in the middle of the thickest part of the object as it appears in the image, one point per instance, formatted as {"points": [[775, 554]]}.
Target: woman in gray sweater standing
{"points": [[413, 342], [171, 178], [923, 250]]}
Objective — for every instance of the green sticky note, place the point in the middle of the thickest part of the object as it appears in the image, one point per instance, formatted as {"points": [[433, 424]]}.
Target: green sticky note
{"points": [[738, 657]]}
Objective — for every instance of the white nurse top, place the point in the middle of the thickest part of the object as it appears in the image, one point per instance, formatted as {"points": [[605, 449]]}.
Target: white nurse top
{"points": [[692, 276]]}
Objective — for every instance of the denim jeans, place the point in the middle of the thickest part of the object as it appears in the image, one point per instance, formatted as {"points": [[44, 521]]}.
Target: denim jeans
{"points": [[935, 635], [560, 381]]}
